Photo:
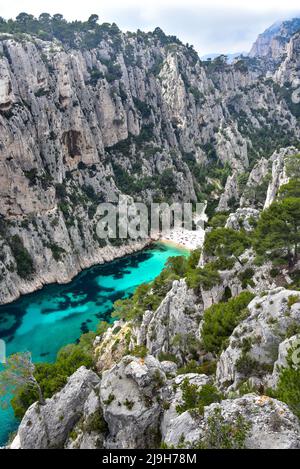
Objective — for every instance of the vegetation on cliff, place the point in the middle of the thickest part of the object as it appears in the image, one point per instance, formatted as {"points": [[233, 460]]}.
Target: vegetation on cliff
{"points": [[76, 34]]}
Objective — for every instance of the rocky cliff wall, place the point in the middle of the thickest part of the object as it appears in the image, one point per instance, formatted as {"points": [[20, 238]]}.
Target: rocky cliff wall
{"points": [[139, 115]]}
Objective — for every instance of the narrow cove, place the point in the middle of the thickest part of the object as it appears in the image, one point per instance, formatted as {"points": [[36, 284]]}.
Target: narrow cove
{"points": [[45, 321]]}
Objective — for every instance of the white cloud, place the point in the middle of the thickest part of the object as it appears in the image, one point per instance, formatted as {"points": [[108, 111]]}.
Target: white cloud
{"points": [[211, 25]]}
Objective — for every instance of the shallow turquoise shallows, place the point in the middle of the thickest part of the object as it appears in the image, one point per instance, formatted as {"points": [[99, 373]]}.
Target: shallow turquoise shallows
{"points": [[45, 321]]}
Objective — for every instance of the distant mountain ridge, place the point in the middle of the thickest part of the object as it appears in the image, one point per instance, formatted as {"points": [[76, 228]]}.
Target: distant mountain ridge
{"points": [[230, 57], [273, 41]]}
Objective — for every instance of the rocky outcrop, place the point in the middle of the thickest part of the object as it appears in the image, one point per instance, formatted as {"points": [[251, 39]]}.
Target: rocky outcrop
{"points": [[172, 398], [112, 345], [231, 281], [279, 176], [48, 426], [272, 43], [131, 409], [268, 424], [257, 176], [242, 218], [90, 431], [137, 405], [173, 324], [288, 73], [230, 195], [170, 331], [289, 346], [253, 346]]}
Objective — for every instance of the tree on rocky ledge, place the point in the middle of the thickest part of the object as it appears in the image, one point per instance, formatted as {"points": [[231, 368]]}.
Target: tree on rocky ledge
{"points": [[18, 372], [226, 242], [278, 231]]}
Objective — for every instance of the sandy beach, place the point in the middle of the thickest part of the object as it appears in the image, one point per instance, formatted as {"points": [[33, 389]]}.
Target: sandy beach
{"points": [[184, 238]]}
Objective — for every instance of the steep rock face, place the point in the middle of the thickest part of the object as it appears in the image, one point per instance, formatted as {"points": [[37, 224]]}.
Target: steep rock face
{"points": [[112, 345], [288, 72], [271, 425], [279, 176], [48, 426], [257, 175], [130, 407], [273, 42], [230, 194], [288, 345], [253, 346], [262, 184], [173, 324], [134, 115], [49, 270], [90, 431]]}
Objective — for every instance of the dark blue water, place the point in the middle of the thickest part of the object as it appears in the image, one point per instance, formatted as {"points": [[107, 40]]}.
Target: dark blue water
{"points": [[46, 320]]}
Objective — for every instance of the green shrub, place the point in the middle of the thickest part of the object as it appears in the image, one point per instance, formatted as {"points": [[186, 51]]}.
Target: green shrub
{"points": [[206, 368], [277, 235], [195, 398], [205, 277], [274, 272], [293, 299], [194, 258], [139, 351], [248, 366], [129, 404], [25, 267], [246, 277], [218, 220], [178, 265], [60, 191], [57, 251], [288, 389], [223, 263], [143, 107], [221, 319], [293, 329], [95, 76], [169, 357], [166, 182], [222, 434], [96, 423], [32, 175], [226, 242]]}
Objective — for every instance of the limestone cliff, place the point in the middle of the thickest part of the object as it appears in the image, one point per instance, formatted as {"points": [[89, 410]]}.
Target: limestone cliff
{"points": [[138, 114], [273, 42], [141, 115]]}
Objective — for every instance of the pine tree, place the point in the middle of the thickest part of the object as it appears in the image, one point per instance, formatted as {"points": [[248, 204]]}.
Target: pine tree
{"points": [[18, 372], [224, 242], [278, 230]]}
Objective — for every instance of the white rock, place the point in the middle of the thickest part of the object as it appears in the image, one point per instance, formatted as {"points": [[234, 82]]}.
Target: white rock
{"points": [[48, 426], [271, 424], [261, 332]]}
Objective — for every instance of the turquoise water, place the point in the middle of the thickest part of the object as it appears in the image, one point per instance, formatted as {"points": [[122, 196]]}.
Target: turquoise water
{"points": [[46, 320]]}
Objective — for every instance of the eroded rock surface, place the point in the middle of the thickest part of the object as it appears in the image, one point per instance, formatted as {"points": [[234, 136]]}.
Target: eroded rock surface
{"points": [[270, 423], [48, 426], [254, 344]]}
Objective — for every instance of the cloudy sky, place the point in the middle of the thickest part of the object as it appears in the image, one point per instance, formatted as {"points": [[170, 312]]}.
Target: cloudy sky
{"points": [[212, 26]]}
